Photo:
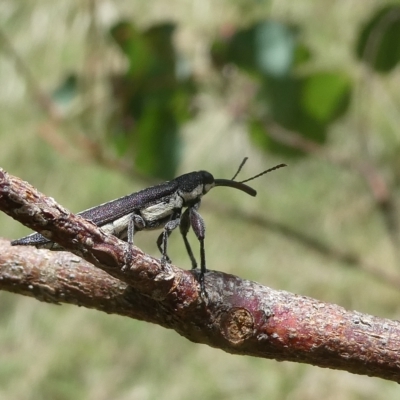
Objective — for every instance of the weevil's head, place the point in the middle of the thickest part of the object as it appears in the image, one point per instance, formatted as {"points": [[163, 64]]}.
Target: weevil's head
{"points": [[194, 185]]}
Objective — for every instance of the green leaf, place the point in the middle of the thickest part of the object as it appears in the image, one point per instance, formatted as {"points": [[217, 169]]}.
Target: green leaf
{"points": [[274, 47], [134, 46], [152, 99], [299, 106], [325, 95], [302, 54], [267, 48], [157, 143], [282, 96], [65, 93], [378, 42], [219, 53]]}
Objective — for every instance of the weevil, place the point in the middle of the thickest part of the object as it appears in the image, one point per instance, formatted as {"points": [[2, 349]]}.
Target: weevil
{"points": [[156, 207]]}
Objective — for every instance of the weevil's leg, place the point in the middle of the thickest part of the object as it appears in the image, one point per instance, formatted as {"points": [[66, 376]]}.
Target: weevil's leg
{"points": [[199, 228], [184, 227], [160, 245], [162, 241], [134, 221]]}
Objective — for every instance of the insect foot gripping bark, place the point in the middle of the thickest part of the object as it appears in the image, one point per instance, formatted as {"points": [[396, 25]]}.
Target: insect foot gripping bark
{"points": [[158, 207]]}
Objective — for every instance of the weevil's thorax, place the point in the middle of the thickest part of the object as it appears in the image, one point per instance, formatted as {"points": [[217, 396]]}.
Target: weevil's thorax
{"points": [[193, 186]]}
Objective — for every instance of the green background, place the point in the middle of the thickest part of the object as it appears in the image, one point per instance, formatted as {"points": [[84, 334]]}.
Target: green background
{"points": [[52, 352]]}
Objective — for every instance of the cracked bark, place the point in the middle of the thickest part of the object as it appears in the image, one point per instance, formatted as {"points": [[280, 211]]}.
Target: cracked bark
{"points": [[237, 316]]}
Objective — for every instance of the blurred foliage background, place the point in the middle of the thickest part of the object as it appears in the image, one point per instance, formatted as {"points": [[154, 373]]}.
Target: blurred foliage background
{"points": [[102, 98]]}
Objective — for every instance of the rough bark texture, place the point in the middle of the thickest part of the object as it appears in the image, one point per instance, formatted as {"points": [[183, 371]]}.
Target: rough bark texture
{"points": [[237, 316]]}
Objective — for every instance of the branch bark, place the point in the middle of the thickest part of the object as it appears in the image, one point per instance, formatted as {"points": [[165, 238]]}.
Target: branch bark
{"points": [[237, 316]]}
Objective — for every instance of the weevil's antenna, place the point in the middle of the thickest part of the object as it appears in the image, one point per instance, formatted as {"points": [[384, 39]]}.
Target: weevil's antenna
{"points": [[261, 173], [240, 185], [240, 168]]}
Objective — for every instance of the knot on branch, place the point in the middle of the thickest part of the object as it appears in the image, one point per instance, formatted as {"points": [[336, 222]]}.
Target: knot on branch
{"points": [[237, 325]]}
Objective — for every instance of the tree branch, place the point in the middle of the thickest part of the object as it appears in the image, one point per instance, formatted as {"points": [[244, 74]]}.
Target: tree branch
{"points": [[238, 316]]}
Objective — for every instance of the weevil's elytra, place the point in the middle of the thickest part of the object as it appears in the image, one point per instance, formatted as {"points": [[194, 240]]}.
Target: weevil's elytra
{"points": [[158, 207]]}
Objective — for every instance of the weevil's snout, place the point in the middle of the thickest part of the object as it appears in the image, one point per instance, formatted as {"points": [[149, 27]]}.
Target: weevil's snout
{"points": [[237, 185]]}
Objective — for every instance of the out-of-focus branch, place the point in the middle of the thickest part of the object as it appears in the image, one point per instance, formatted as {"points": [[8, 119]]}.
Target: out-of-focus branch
{"points": [[376, 183], [88, 149], [312, 243], [372, 177], [386, 203], [237, 316], [42, 97]]}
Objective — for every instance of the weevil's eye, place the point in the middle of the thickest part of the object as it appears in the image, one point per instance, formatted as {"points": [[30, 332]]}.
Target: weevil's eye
{"points": [[208, 181]]}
